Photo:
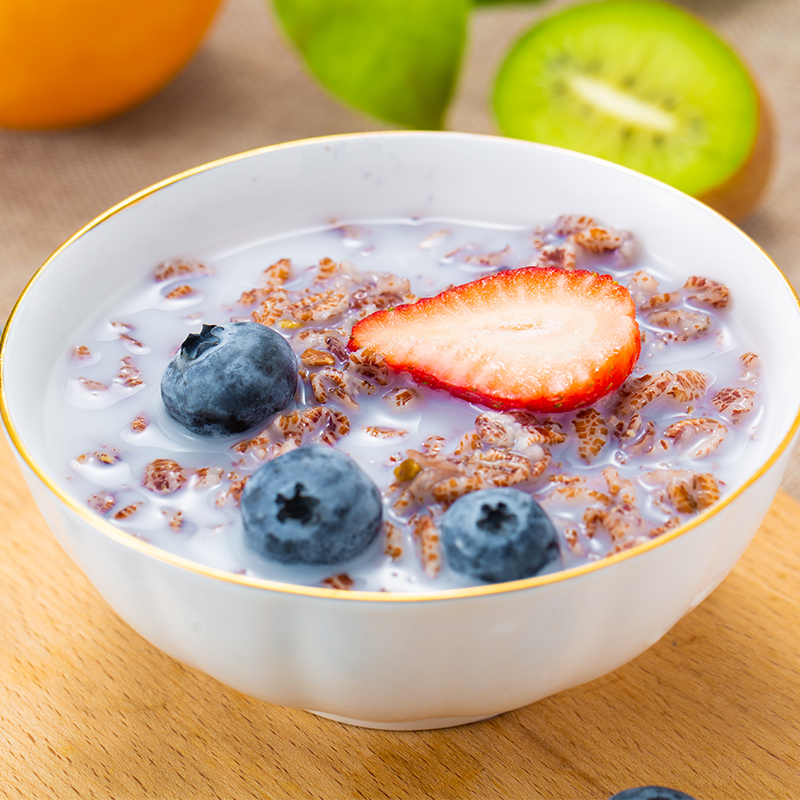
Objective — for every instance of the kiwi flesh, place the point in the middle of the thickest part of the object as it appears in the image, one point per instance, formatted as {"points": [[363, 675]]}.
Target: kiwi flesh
{"points": [[647, 85]]}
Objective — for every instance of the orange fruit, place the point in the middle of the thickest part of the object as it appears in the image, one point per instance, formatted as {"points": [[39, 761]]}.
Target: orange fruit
{"points": [[71, 62]]}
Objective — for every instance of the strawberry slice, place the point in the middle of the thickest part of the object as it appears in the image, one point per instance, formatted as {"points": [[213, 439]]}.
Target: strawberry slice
{"points": [[544, 339]]}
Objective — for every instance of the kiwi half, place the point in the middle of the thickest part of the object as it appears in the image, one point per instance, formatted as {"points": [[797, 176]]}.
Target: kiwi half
{"points": [[644, 84]]}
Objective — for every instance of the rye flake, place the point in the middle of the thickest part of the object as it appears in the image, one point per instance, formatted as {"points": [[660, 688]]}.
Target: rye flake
{"points": [[164, 476], [578, 464]]}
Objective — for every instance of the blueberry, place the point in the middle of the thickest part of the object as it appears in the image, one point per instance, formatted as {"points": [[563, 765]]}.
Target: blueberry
{"points": [[312, 505], [229, 378], [498, 535], [651, 793]]}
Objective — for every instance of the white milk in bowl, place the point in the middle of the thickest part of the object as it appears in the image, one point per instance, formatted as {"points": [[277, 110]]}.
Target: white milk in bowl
{"points": [[635, 463]]}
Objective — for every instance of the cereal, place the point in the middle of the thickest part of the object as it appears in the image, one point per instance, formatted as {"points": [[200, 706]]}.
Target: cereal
{"points": [[707, 292], [711, 432], [688, 384], [633, 466], [681, 323], [592, 433], [178, 268], [317, 358], [164, 476], [734, 401], [139, 423], [393, 541], [343, 582], [128, 511], [102, 502]]}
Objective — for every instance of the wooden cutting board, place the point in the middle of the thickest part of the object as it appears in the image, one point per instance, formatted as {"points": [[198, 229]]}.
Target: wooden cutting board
{"points": [[88, 709]]}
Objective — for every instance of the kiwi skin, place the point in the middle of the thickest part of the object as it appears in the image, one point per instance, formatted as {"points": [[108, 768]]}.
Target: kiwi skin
{"points": [[736, 197]]}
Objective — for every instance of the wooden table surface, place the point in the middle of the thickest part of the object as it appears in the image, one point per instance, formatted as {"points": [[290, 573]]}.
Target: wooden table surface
{"points": [[88, 709]]}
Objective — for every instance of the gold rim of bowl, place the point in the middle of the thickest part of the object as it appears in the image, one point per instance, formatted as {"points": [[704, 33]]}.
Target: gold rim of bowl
{"points": [[157, 553]]}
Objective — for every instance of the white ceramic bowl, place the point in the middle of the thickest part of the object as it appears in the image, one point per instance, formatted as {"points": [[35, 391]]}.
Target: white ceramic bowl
{"points": [[398, 660]]}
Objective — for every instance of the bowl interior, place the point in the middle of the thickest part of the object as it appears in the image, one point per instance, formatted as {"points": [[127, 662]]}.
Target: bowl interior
{"points": [[244, 200]]}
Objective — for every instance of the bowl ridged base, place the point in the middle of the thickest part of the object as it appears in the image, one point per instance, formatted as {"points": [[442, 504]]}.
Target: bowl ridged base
{"points": [[405, 725]]}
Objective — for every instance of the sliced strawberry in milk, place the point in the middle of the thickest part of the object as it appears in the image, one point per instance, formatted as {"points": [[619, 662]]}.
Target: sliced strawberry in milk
{"points": [[544, 339]]}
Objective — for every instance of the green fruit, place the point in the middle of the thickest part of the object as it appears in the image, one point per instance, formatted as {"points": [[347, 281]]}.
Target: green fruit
{"points": [[394, 59], [644, 84]]}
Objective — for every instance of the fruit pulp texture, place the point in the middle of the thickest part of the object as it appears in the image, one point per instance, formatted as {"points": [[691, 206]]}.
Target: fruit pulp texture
{"points": [[106, 421], [642, 84], [66, 64]]}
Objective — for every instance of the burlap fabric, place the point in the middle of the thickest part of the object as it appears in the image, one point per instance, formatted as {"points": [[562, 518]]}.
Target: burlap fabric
{"points": [[245, 88]]}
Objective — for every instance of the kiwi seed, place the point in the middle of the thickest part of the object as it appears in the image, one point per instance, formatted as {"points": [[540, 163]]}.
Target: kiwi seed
{"points": [[644, 84]]}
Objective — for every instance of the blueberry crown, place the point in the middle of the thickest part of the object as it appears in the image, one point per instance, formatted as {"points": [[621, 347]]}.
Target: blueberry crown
{"points": [[196, 344]]}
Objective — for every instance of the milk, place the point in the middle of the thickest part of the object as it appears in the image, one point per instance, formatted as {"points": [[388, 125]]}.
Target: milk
{"points": [[97, 397]]}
